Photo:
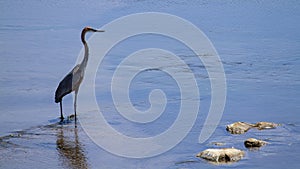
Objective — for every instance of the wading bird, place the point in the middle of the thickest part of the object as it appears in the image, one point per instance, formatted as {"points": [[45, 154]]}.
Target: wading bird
{"points": [[72, 80]]}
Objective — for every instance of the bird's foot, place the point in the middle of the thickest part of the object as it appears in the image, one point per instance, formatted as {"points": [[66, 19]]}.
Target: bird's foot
{"points": [[72, 116]]}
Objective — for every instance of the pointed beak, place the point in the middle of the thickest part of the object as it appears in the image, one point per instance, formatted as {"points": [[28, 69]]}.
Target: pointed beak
{"points": [[100, 31]]}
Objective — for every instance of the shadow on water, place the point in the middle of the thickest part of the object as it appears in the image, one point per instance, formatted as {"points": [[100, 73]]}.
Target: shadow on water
{"points": [[70, 149]]}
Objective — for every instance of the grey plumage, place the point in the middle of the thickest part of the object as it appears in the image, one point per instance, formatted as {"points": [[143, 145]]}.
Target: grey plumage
{"points": [[65, 86]]}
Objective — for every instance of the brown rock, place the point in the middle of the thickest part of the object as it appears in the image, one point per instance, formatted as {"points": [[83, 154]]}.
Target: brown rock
{"points": [[223, 155], [265, 125], [252, 142], [239, 127]]}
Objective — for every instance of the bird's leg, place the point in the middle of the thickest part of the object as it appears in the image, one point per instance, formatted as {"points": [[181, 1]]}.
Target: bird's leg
{"points": [[61, 113], [75, 104]]}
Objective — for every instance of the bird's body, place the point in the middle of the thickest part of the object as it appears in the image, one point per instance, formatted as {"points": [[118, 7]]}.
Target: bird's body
{"points": [[72, 80], [64, 88]]}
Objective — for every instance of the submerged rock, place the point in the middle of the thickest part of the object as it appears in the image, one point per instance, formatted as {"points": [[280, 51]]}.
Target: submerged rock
{"points": [[218, 143], [223, 155], [252, 142], [265, 125], [239, 127]]}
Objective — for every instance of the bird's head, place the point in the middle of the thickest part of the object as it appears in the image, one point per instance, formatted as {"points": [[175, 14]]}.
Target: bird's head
{"points": [[88, 29]]}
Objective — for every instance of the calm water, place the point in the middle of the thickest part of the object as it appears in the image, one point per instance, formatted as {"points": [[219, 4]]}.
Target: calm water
{"points": [[258, 43]]}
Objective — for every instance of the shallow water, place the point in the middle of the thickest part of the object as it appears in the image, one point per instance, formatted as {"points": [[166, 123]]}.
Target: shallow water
{"points": [[258, 43]]}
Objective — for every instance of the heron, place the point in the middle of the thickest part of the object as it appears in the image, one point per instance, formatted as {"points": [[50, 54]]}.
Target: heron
{"points": [[73, 79]]}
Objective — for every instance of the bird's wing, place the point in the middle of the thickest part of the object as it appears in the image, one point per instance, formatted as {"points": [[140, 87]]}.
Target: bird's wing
{"points": [[66, 85], [64, 88]]}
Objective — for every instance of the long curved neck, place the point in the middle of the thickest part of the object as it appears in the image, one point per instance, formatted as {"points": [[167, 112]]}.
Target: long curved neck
{"points": [[86, 55], [86, 51], [83, 36]]}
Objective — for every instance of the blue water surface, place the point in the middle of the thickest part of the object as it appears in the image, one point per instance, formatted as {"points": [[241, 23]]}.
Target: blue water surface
{"points": [[258, 43]]}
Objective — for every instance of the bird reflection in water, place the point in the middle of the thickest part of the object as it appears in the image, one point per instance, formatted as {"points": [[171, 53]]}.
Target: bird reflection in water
{"points": [[70, 150]]}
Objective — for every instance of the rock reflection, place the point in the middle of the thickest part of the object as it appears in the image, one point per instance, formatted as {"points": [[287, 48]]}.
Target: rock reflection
{"points": [[71, 152]]}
